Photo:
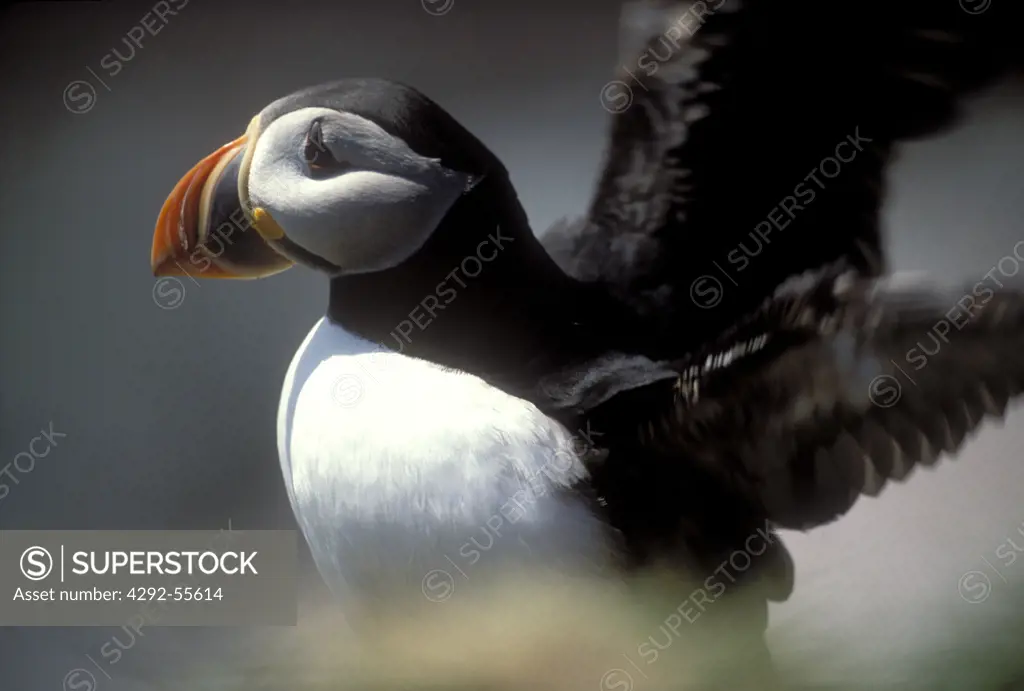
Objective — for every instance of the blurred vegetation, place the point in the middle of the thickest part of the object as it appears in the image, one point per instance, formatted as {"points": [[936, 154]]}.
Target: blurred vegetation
{"points": [[587, 636]]}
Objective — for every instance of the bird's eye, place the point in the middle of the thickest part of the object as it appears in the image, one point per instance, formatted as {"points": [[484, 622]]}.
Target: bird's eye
{"points": [[317, 155]]}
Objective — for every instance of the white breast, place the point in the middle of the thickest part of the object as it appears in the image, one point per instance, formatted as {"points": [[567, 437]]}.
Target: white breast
{"points": [[412, 480]]}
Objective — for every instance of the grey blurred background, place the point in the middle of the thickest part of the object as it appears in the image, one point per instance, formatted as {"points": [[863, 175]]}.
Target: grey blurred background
{"points": [[169, 406]]}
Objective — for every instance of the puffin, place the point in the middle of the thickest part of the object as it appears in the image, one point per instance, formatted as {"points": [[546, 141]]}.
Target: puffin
{"points": [[715, 350]]}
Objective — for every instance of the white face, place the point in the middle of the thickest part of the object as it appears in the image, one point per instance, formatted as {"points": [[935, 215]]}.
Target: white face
{"points": [[345, 190]]}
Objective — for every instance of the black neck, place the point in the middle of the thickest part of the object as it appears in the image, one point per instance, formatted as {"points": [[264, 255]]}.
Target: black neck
{"points": [[482, 296]]}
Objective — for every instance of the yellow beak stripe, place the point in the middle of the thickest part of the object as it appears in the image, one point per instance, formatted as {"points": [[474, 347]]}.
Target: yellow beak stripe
{"points": [[265, 225]]}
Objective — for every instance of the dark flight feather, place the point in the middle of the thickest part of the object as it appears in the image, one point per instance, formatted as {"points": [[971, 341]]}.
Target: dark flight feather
{"points": [[829, 392], [752, 141]]}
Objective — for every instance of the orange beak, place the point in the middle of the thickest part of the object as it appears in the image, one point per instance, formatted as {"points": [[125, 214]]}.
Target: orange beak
{"points": [[204, 229], [176, 236]]}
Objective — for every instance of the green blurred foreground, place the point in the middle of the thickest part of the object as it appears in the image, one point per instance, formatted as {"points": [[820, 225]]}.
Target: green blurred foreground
{"points": [[600, 637]]}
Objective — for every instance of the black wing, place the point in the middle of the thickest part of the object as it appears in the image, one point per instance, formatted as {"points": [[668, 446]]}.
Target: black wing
{"points": [[749, 144], [840, 384]]}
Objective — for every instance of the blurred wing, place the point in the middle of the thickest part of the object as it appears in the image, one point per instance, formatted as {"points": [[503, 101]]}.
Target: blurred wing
{"points": [[749, 141], [840, 384]]}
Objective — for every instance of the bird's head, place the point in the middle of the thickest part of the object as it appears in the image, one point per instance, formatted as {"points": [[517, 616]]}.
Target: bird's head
{"points": [[349, 177]]}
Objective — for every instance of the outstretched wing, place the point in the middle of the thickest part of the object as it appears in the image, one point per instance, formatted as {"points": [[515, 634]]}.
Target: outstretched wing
{"points": [[840, 384], [749, 141]]}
